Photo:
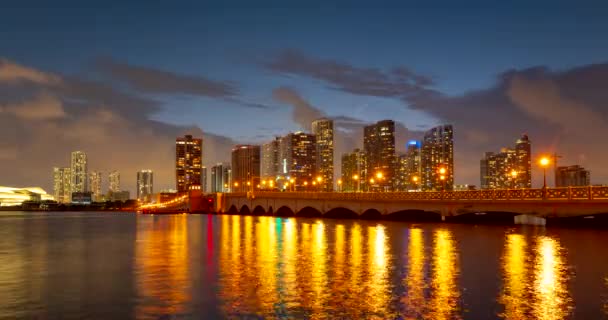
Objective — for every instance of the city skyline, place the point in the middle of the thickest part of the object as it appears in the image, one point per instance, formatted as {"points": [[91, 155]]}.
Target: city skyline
{"points": [[123, 101]]}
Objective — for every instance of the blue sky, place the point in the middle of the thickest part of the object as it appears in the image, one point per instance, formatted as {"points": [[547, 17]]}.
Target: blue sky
{"points": [[464, 47]]}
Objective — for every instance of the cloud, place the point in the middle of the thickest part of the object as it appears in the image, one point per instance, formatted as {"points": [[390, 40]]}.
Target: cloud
{"points": [[303, 113], [397, 82], [41, 124], [155, 81], [12, 72]]}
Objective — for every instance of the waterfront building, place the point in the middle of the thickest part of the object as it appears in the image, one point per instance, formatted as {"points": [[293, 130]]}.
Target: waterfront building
{"points": [[572, 176], [62, 180], [245, 167], [83, 198], [221, 178], [354, 171], [188, 162], [270, 159], [437, 159], [119, 196], [323, 129], [379, 147], [409, 167], [10, 196], [297, 156], [509, 168], [95, 185], [145, 185], [114, 181], [78, 171]]}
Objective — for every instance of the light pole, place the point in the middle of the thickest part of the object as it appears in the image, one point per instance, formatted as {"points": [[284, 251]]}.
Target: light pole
{"points": [[442, 171], [356, 178], [513, 177], [339, 185], [415, 181], [371, 182], [544, 162], [320, 187]]}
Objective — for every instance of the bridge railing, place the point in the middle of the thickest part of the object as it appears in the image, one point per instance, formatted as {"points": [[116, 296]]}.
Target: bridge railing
{"points": [[557, 194]]}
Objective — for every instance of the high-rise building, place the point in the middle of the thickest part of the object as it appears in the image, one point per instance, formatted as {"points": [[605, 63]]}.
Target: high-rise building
{"points": [[145, 185], [323, 129], [78, 171], [114, 181], [188, 162], [221, 178], [245, 167], [354, 172], [572, 176], [270, 159], [379, 147], [62, 189], [409, 167], [204, 179], [297, 159], [437, 159], [523, 151], [95, 185], [509, 168]]}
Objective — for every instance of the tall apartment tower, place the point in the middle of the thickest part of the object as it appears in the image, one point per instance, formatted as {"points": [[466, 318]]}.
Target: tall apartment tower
{"points": [[572, 176], [78, 170], [437, 154], [145, 185], [220, 178], [270, 159], [354, 173], [245, 167], [323, 129], [62, 189], [188, 162], [95, 185], [509, 168], [114, 181], [409, 167], [523, 151], [204, 179], [297, 158], [379, 147]]}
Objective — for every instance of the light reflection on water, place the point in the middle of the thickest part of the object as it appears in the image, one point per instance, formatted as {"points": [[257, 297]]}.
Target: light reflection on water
{"points": [[127, 266]]}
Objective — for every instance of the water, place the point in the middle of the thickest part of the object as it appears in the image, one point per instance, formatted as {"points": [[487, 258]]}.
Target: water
{"points": [[118, 266]]}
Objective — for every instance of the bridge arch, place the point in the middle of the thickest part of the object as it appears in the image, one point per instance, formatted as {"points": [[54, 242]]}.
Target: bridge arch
{"points": [[371, 214], [258, 211], [232, 210], [341, 212], [309, 212], [245, 209], [285, 211]]}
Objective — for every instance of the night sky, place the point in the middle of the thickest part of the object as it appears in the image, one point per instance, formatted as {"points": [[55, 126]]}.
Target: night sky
{"points": [[121, 81]]}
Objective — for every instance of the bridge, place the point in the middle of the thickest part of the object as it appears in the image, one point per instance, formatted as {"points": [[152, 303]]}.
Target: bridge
{"points": [[528, 206]]}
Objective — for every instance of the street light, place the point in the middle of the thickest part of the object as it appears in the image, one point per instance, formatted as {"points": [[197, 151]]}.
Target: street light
{"points": [[513, 177], [544, 162], [340, 185], [371, 182], [356, 178], [442, 171], [415, 181]]}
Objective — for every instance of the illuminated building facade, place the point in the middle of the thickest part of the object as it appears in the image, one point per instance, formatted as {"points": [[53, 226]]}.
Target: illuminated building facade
{"points": [[354, 172], [114, 181], [62, 189], [221, 178], [509, 168], [16, 196], [95, 185], [437, 155], [188, 162], [204, 175], [78, 166], [270, 159], [297, 156], [379, 147], [145, 185], [409, 169], [572, 176], [323, 129], [245, 167]]}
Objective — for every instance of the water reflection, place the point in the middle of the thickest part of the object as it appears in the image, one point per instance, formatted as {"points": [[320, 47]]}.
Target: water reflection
{"points": [[444, 298], [535, 279], [161, 261], [414, 300]]}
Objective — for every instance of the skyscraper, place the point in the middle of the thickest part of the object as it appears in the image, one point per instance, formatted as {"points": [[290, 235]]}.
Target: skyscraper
{"points": [[114, 181], [354, 174], [204, 179], [95, 185], [323, 129], [409, 167], [437, 159], [220, 178], [62, 189], [379, 147], [270, 159], [509, 168], [245, 167], [188, 162], [145, 185], [78, 171], [572, 176], [297, 157]]}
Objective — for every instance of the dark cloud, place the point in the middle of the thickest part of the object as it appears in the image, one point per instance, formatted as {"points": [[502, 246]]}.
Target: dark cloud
{"points": [[303, 112], [151, 80], [42, 121], [398, 82]]}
